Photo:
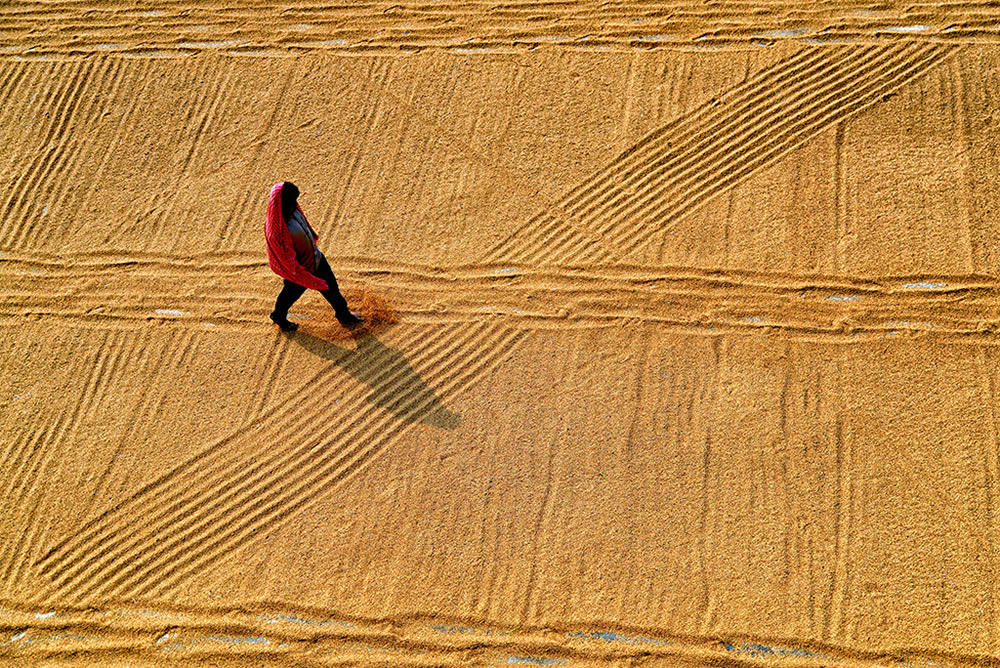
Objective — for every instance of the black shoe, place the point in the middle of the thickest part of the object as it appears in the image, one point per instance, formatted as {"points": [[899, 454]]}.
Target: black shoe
{"points": [[351, 320], [286, 325]]}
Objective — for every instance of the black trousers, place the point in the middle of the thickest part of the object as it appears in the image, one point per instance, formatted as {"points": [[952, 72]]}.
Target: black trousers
{"points": [[292, 291]]}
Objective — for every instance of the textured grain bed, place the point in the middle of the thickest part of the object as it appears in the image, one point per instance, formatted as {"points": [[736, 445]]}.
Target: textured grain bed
{"points": [[685, 343]]}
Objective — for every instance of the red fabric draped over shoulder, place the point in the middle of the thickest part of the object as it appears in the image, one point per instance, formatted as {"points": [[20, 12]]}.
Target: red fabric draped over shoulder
{"points": [[280, 251]]}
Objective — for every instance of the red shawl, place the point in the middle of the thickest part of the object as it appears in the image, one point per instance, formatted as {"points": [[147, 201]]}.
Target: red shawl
{"points": [[280, 251]]}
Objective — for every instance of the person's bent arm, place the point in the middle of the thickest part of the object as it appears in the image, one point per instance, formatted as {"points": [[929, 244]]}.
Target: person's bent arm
{"points": [[284, 263]]}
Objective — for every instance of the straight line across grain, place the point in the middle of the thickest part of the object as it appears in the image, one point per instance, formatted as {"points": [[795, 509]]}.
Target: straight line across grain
{"points": [[687, 297], [163, 29], [310, 634], [33, 273]]}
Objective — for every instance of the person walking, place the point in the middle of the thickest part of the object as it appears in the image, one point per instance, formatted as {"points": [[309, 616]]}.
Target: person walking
{"points": [[293, 255]]}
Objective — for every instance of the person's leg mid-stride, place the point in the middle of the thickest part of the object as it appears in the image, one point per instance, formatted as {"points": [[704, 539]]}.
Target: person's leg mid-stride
{"points": [[292, 254]]}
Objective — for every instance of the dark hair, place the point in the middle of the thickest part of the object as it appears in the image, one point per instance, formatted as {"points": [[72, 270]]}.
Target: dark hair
{"points": [[289, 198]]}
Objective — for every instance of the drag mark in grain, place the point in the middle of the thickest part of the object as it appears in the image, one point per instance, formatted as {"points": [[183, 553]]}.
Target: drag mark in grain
{"points": [[303, 417], [217, 97], [679, 167], [14, 77], [129, 92], [60, 99], [49, 186], [60, 145], [270, 373], [734, 107], [63, 210], [168, 487], [991, 459], [270, 490], [115, 351], [171, 360], [195, 518], [22, 451], [633, 229], [212, 92], [483, 356], [29, 467], [241, 216], [549, 236], [613, 183], [376, 85], [104, 536]]}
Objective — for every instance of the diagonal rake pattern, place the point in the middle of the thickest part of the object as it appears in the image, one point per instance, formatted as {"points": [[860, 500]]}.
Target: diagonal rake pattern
{"points": [[179, 524], [675, 169]]}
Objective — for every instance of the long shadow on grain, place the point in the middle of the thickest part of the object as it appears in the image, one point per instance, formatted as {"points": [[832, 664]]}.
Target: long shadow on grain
{"points": [[402, 392]]}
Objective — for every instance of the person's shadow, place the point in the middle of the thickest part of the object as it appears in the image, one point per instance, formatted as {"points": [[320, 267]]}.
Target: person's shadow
{"points": [[396, 386]]}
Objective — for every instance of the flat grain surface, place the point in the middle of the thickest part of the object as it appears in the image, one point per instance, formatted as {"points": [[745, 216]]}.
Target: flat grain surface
{"points": [[693, 358]]}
